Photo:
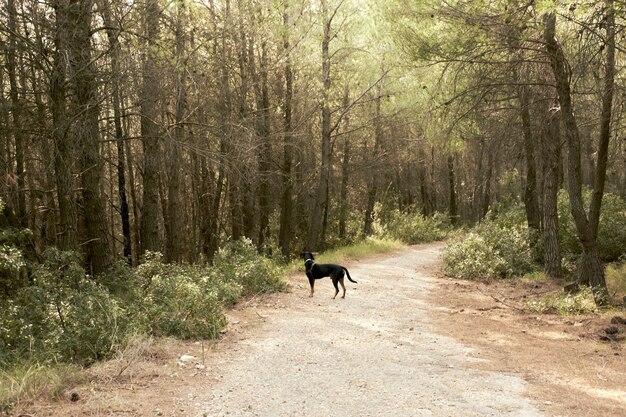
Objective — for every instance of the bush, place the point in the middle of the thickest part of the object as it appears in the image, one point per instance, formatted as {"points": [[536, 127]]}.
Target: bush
{"points": [[239, 262], [180, 300], [409, 227], [497, 248], [611, 230], [28, 381], [471, 257], [12, 261], [616, 279], [64, 316], [564, 303], [179, 305], [185, 301]]}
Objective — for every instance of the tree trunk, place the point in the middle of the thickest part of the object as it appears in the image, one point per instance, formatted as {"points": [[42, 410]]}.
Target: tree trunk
{"points": [[531, 197], [315, 222], [150, 132], [345, 170], [427, 208], [114, 48], [88, 135], [16, 109], [372, 186], [453, 208], [64, 149], [286, 211], [486, 197], [265, 157], [551, 159], [590, 270], [174, 242]]}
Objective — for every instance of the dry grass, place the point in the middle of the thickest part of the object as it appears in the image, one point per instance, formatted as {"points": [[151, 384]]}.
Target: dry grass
{"points": [[23, 383], [616, 280], [368, 247]]}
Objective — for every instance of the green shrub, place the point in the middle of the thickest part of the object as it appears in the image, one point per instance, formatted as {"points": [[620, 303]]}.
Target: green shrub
{"points": [[180, 300], [472, 257], [178, 306], [239, 262], [64, 316], [13, 264], [497, 248], [564, 303], [616, 279], [611, 229], [409, 227], [28, 381], [93, 324]]}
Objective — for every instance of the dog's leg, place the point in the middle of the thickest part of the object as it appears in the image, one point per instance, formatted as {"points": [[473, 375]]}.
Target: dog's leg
{"points": [[312, 284], [335, 281], [342, 286]]}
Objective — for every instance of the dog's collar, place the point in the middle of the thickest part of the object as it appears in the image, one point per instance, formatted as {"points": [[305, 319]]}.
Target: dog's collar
{"points": [[312, 261]]}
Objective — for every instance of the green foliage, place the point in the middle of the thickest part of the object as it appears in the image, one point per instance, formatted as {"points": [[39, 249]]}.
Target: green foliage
{"points": [[616, 279], [238, 262], [64, 316], [497, 248], [12, 261], [471, 257], [178, 304], [27, 381], [409, 227], [564, 303], [611, 230]]}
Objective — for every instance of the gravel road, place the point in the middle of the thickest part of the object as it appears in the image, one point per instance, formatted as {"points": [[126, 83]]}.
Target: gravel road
{"points": [[375, 353]]}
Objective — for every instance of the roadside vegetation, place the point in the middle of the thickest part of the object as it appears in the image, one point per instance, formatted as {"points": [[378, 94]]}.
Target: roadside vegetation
{"points": [[61, 319], [501, 246]]}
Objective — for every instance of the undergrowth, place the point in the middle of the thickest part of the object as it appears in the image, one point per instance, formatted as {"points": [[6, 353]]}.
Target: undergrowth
{"points": [[564, 304], [26, 381]]}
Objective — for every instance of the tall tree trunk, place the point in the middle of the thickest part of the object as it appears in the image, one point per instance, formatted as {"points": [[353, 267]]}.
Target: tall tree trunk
{"points": [[373, 181], [486, 196], [174, 241], [531, 196], [49, 230], [150, 132], [286, 212], [590, 270], [453, 208], [63, 145], [315, 222], [427, 208], [16, 109], [345, 170], [114, 53], [551, 149], [88, 135], [265, 157]]}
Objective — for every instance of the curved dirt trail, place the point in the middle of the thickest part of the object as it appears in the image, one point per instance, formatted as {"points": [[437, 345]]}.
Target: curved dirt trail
{"points": [[374, 353]]}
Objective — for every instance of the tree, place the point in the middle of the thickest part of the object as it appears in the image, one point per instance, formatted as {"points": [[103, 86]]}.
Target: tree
{"points": [[150, 240], [286, 212], [591, 270], [113, 34]]}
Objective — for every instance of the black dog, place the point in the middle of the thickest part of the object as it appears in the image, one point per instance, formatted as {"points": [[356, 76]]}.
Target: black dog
{"points": [[316, 271]]}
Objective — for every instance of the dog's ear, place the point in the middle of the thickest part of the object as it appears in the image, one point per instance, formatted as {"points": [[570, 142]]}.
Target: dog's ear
{"points": [[302, 254]]}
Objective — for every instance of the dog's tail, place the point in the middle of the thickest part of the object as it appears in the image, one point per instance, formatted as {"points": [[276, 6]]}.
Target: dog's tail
{"points": [[348, 274]]}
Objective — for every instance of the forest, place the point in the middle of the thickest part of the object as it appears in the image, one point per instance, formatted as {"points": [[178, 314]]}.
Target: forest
{"points": [[192, 139]]}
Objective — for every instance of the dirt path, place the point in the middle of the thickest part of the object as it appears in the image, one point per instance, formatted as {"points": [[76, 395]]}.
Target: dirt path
{"points": [[375, 353], [404, 342]]}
